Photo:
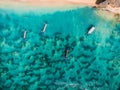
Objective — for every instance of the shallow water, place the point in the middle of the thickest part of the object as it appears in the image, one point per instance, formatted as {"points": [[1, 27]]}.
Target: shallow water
{"points": [[39, 62]]}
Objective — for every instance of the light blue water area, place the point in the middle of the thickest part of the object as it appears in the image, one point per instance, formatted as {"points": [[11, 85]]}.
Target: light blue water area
{"points": [[40, 61]]}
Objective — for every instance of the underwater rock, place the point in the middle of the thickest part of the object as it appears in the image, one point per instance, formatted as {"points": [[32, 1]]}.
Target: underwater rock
{"points": [[118, 88], [67, 37], [43, 87], [74, 43], [83, 61], [114, 74], [99, 84], [82, 39], [110, 68], [85, 46], [57, 34], [53, 52], [31, 60], [5, 33], [36, 72], [33, 79], [7, 49], [57, 74], [2, 26]]}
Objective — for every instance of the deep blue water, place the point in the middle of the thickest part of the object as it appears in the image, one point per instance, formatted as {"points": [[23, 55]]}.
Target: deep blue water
{"points": [[38, 62]]}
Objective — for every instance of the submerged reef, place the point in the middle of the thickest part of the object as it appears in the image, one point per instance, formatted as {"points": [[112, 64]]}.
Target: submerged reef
{"points": [[38, 62]]}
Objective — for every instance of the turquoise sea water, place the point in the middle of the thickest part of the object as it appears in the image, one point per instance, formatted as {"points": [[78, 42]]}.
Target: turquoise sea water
{"points": [[38, 62]]}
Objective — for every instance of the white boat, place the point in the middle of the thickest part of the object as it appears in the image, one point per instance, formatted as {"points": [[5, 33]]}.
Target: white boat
{"points": [[24, 34], [91, 30], [44, 29]]}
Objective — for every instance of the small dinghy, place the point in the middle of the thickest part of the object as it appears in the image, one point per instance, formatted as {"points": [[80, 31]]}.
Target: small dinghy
{"points": [[66, 53], [67, 49], [24, 34], [91, 29], [44, 29]]}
